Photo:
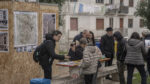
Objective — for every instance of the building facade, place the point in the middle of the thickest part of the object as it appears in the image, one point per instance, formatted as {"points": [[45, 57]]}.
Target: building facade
{"points": [[97, 15]]}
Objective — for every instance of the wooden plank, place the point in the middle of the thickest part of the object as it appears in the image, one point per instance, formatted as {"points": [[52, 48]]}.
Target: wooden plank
{"points": [[19, 68]]}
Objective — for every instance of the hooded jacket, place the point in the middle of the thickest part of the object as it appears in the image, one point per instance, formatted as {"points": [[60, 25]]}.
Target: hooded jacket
{"points": [[91, 56], [135, 52], [48, 52]]}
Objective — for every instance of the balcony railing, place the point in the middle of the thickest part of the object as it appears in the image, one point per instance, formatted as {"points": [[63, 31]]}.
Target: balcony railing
{"points": [[117, 9], [123, 10]]}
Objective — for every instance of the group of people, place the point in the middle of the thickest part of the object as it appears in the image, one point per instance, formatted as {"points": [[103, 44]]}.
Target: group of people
{"points": [[131, 52]]}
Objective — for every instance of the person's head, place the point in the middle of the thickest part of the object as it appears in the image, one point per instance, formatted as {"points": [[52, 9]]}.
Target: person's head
{"points": [[118, 36], [83, 42], [135, 35], [73, 46], [92, 37], [109, 31], [56, 35], [85, 33], [145, 32]]}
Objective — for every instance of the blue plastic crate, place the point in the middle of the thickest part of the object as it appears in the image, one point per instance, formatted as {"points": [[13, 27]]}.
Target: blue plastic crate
{"points": [[98, 44], [40, 81]]}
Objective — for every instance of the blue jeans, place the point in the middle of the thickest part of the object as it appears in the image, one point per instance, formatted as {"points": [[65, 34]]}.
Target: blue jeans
{"points": [[142, 71]]}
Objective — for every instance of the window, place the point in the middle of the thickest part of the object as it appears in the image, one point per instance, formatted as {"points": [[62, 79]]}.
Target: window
{"points": [[130, 23], [121, 23], [131, 3], [99, 1], [74, 24], [111, 1], [5, 40], [141, 23], [73, 0], [121, 2], [111, 22], [99, 24]]}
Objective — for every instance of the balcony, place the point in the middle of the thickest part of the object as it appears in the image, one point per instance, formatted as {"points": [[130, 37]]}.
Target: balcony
{"points": [[111, 10], [116, 9], [123, 10]]}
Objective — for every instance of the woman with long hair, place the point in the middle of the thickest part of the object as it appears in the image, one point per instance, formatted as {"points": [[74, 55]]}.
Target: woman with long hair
{"points": [[135, 57], [91, 38]]}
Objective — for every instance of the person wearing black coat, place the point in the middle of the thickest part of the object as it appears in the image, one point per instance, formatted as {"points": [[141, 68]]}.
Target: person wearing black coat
{"points": [[83, 34], [48, 53], [120, 54], [107, 47], [77, 54]]}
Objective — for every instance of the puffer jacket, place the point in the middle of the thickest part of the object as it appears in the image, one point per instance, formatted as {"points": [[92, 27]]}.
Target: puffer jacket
{"points": [[135, 52], [91, 56]]}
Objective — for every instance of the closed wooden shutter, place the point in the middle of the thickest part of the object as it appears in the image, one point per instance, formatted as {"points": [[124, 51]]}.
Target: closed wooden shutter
{"points": [[74, 23], [131, 2], [121, 23], [99, 24]]}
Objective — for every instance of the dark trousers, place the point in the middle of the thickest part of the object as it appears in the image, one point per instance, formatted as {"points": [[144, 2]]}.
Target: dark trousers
{"points": [[140, 68], [148, 65], [88, 78], [108, 63], [47, 71], [121, 68]]}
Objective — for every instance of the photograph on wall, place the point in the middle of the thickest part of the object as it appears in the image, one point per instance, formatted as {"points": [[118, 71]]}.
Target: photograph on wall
{"points": [[49, 23], [3, 19], [4, 43], [26, 28]]}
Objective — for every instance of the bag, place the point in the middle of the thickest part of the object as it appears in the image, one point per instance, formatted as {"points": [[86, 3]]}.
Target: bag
{"points": [[37, 53]]}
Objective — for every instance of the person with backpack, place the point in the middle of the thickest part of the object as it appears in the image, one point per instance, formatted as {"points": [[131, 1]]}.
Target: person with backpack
{"points": [[120, 53], [46, 52], [135, 58]]}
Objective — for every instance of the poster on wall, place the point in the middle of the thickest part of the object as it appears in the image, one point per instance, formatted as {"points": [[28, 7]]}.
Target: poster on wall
{"points": [[26, 29], [4, 43], [3, 19], [49, 23]]}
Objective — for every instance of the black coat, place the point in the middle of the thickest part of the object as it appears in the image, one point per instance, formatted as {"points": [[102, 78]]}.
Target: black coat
{"points": [[78, 37], [107, 46], [77, 55], [121, 50], [48, 53]]}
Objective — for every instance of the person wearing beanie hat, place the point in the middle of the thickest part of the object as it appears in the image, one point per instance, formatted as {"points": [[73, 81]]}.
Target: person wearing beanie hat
{"points": [[146, 37], [107, 47]]}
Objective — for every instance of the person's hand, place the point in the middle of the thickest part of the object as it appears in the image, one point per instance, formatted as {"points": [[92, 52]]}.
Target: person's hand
{"points": [[67, 57], [75, 76]]}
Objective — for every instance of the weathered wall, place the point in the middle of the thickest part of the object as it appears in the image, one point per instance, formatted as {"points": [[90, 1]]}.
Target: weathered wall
{"points": [[19, 68]]}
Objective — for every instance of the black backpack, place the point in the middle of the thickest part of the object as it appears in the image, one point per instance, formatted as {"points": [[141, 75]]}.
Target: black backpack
{"points": [[37, 53]]}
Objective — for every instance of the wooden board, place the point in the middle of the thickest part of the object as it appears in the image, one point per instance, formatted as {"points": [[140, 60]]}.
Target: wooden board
{"points": [[19, 68]]}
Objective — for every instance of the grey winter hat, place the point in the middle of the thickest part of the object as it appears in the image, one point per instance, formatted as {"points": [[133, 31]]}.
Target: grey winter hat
{"points": [[83, 41]]}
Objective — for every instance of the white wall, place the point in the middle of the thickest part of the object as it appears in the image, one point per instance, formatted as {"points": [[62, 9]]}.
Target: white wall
{"points": [[89, 21]]}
